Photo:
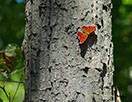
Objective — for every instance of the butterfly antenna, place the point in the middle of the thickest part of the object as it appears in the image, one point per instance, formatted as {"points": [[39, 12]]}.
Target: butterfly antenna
{"points": [[93, 12]]}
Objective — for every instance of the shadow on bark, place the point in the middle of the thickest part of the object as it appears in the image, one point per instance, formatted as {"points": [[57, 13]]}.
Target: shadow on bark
{"points": [[92, 39]]}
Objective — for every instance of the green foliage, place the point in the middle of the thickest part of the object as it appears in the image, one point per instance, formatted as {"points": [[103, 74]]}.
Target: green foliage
{"points": [[11, 50], [11, 62], [11, 87], [13, 54], [11, 57]]}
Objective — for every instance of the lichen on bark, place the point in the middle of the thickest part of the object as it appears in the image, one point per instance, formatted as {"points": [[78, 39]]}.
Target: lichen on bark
{"points": [[58, 68]]}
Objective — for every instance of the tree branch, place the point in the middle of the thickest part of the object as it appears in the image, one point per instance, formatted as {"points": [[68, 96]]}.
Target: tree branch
{"points": [[13, 81], [5, 93], [17, 88]]}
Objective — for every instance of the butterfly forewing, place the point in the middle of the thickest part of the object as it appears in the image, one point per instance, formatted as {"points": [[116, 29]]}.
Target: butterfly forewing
{"points": [[88, 29]]}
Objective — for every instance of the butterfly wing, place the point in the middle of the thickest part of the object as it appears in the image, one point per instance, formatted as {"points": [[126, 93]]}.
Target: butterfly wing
{"points": [[88, 29], [82, 37]]}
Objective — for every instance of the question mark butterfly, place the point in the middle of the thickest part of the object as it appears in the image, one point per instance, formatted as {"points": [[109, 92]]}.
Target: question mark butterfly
{"points": [[86, 30]]}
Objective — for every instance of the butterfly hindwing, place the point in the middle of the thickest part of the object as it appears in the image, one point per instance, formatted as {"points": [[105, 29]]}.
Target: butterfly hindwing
{"points": [[82, 37]]}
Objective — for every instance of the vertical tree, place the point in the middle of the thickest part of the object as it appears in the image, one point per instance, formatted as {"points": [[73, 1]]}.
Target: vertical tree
{"points": [[58, 68]]}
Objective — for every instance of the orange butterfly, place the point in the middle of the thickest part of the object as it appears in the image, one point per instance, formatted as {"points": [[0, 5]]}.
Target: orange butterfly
{"points": [[86, 30]]}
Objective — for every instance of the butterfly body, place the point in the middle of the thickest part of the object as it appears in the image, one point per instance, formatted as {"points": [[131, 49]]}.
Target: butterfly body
{"points": [[86, 30]]}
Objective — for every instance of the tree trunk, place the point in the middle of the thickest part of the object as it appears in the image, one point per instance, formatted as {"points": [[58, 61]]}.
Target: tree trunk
{"points": [[58, 68]]}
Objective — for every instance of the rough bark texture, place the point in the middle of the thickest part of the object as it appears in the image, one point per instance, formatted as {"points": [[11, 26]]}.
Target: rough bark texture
{"points": [[58, 68]]}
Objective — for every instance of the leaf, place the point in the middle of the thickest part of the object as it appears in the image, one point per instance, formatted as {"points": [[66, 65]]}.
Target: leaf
{"points": [[11, 57], [14, 55], [10, 51]]}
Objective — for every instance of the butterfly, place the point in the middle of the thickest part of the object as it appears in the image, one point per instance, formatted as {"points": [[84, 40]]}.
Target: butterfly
{"points": [[86, 30]]}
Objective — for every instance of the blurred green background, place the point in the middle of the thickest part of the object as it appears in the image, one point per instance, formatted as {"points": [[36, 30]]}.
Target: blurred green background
{"points": [[12, 31], [122, 38]]}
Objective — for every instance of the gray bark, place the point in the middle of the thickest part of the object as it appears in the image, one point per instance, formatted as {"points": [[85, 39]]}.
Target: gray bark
{"points": [[58, 68]]}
